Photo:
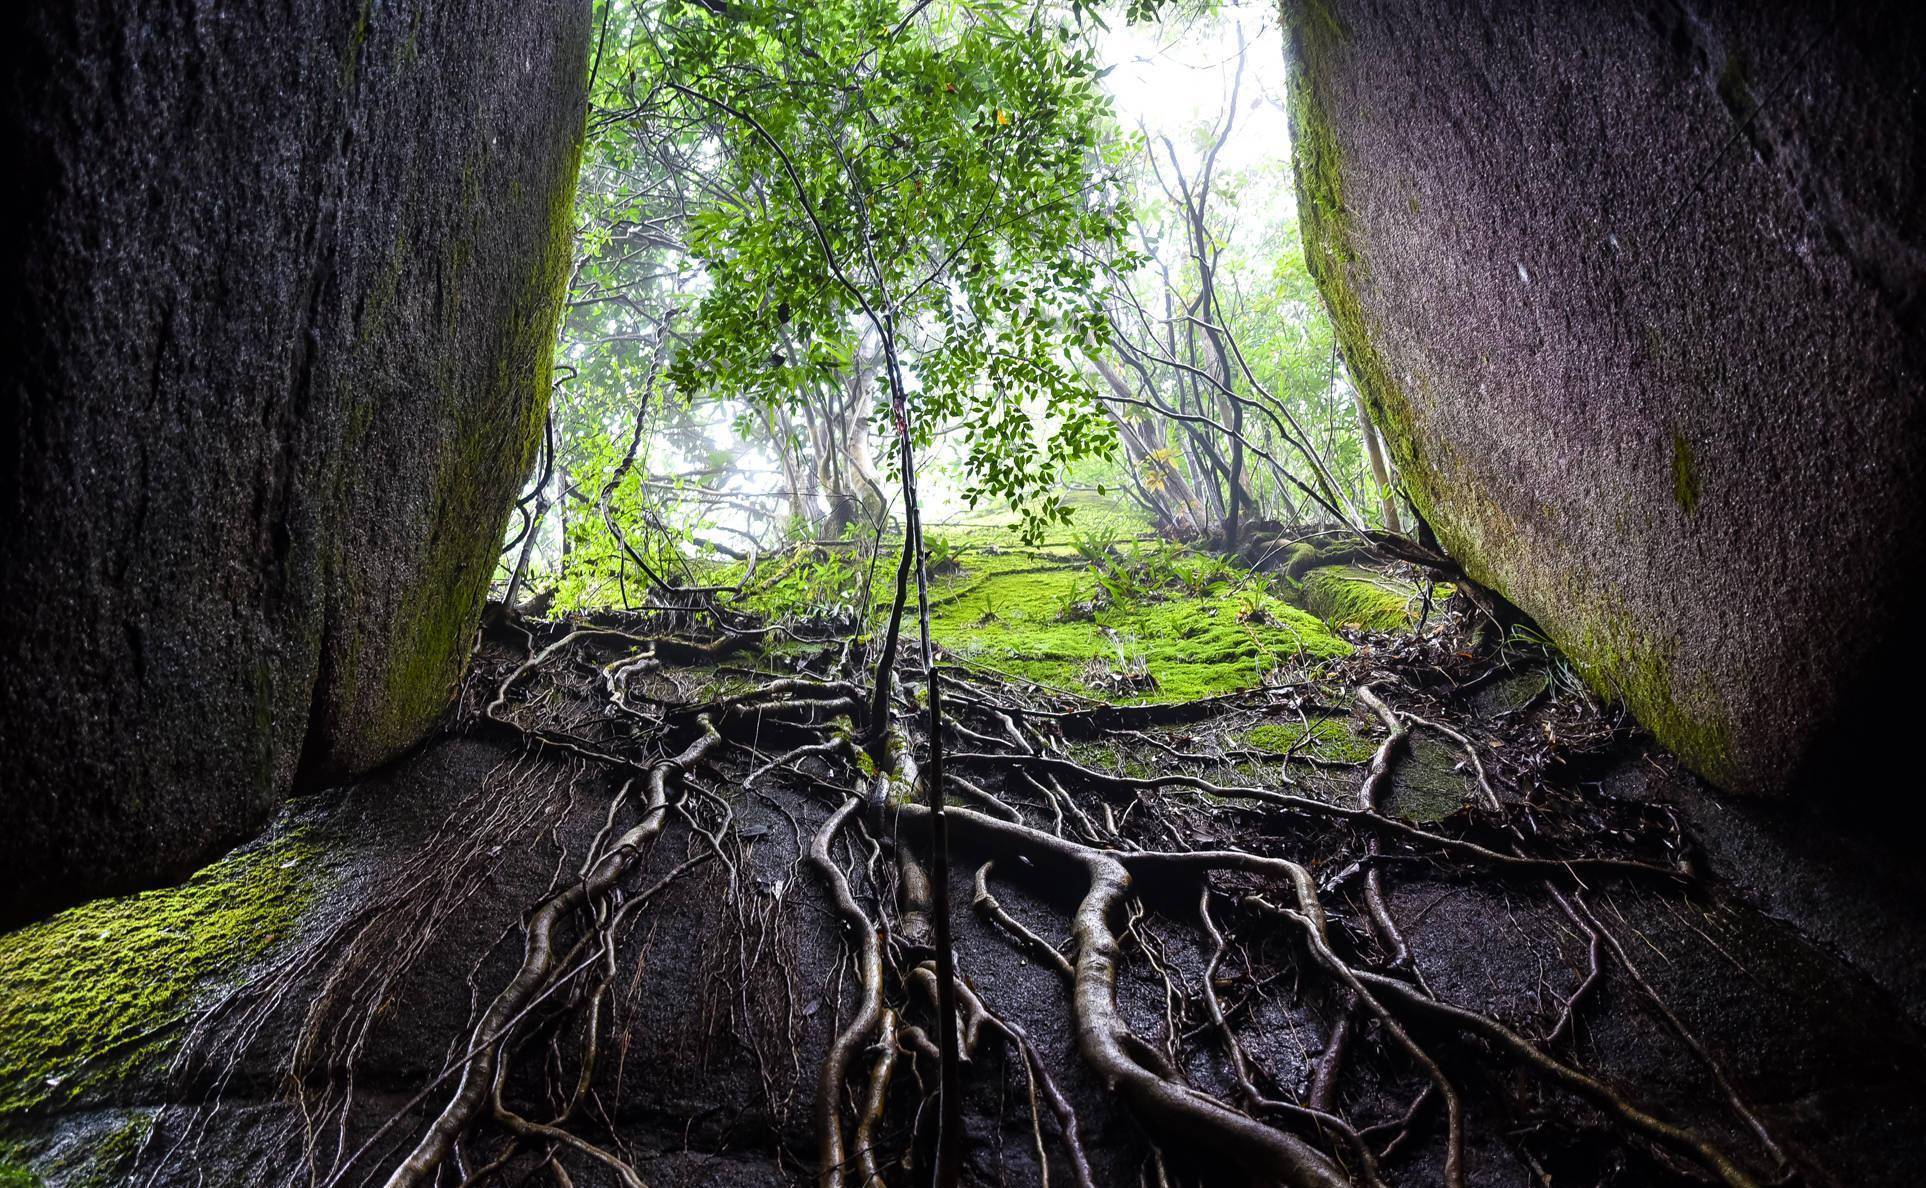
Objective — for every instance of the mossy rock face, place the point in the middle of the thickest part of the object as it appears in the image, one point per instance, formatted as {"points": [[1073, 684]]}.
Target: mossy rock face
{"points": [[1667, 418], [1348, 597], [1426, 785], [278, 356], [90, 997]]}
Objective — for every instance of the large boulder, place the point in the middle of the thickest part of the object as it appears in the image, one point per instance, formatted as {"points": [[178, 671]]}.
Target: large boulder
{"points": [[277, 335], [1634, 292]]}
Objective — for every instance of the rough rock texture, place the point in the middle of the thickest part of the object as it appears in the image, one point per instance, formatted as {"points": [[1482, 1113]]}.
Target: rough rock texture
{"points": [[1634, 292], [277, 335], [408, 888]]}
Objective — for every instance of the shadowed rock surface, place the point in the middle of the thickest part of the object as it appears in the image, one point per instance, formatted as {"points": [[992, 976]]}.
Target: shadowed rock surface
{"points": [[278, 324], [324, 1054], [1634, 293]]}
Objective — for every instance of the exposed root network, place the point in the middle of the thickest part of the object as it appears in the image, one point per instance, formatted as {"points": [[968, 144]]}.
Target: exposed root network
{"points": [[1220, 874]]}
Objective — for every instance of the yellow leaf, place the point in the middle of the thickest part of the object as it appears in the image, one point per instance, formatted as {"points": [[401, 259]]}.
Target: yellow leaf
{"points": [[1002, 117]]}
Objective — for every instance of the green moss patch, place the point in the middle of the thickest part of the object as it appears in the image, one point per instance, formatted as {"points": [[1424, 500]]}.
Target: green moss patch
{"points": [[1623, 661], [1348, 597], [1112, 758], [89, 1150], [17, 1175], [1328, 738], [1046, 620], [90, 996]]}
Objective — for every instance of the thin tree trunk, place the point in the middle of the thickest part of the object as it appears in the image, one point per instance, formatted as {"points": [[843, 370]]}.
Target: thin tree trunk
{"points": [[782, 436], [1179, 487], [514, 589], [1375, 452]]}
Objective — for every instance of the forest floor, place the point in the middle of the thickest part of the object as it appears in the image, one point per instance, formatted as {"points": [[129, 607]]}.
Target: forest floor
{"points": [[1256, 880]]}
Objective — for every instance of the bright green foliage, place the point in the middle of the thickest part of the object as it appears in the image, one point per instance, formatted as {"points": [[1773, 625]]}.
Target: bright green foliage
{"points": [[1147, 572], [941, 175], [595, 574], [816, 583], [90, 995], [630, 266], [766, 190]]}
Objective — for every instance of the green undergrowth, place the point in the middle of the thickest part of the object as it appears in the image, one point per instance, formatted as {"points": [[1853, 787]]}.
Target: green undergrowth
{"points": [[93, 995], [1113, 758], [1426, 785], [1051, 620], [1101, 609], [1091, 514], [831, 578]]}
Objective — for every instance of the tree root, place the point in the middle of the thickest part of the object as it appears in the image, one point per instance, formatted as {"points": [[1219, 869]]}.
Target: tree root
{"points": [[1116, 848]]}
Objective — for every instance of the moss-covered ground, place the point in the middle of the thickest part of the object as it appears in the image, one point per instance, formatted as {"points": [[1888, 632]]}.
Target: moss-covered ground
{"points": [[1347, 596], [1100, 608], [1172, 628], [1331, 737], [94, 994]]}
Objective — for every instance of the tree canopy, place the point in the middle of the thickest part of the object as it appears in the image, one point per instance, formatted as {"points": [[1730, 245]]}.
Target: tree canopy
{"points": [[797, 222]]}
